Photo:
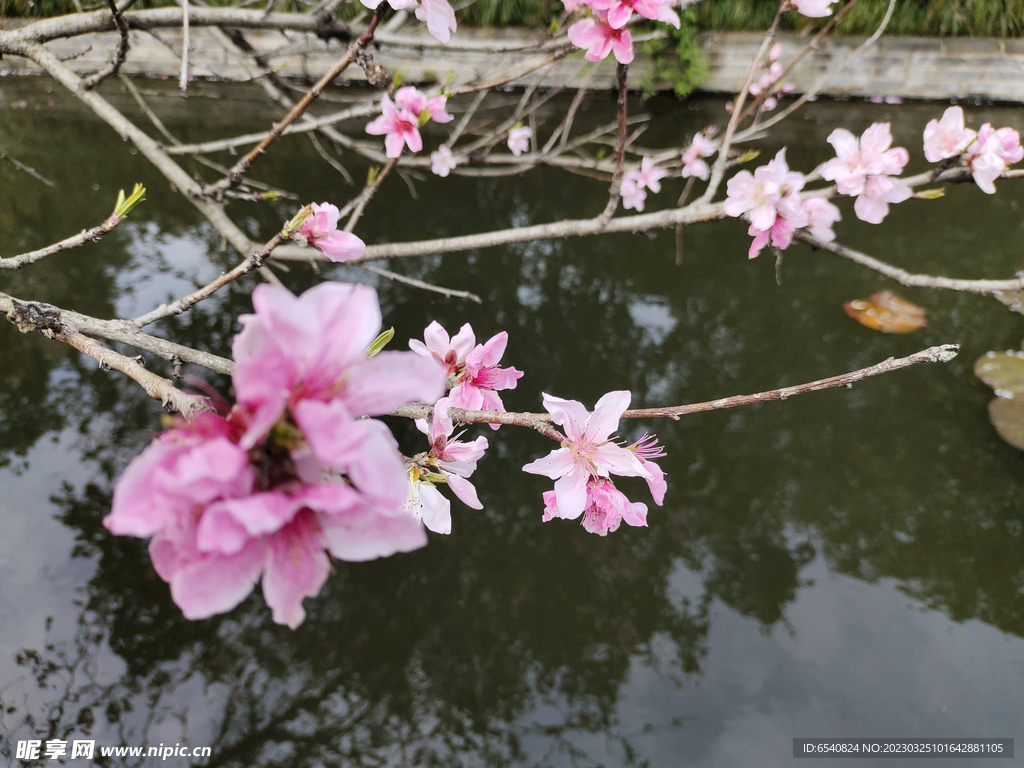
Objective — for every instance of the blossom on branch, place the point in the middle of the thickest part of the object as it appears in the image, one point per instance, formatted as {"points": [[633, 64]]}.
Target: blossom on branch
{"points": [[400, 120], [438, 14], [442, 162], [635, 182], [583, 465], [947, 137], [519, 140], [821, 215], [321, 231], [693, 164], [291, 475], [991, 152], [449, 461], [812, 8], [866, 169], [771, 195], [600, 38]]}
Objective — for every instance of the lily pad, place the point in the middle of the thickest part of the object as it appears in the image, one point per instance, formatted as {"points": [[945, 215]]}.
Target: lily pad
{"points": [[1007, 417], [1003, 371], [887, 312]]}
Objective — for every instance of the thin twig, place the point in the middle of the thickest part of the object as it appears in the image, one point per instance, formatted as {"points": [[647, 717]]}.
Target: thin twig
{"points": [[368, 192], [253, 261], [901, 276], [85, 236], [26, 169], [120, 54], [939, 354], [451, 292], [240, 168]]}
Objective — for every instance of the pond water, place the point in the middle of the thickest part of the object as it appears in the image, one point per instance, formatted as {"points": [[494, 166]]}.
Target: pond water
{"points": [[848, 563]]}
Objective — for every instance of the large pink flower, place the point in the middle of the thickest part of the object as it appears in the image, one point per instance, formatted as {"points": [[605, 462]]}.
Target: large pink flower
{"points": [[223, 518], [306, 356], [588, 451], [399, 125], [865, 169], [772, 197], [600, 38], [321, 231]]}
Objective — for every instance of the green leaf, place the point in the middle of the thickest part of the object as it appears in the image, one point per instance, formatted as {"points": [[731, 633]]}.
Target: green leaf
{"points": [[380, 342], [1003, 371], [931, 194], [124, 206], [1007, 416]]}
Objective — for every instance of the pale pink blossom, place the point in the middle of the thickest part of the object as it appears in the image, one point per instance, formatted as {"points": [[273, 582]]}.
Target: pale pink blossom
{"points": [[424, 107], [649, 176], [588, 451], [866, 169], [449, 461], [321, 231], [439, 16], [399, 125], [606, 507], [760, 193], [633, 195], [693, 165], [442, 162], [991, 152], [481, 377], [621, 11], [451, 353], [947, 137], [821, 215], [811, 8], [519, 140], [599, 38], [647, 450]]}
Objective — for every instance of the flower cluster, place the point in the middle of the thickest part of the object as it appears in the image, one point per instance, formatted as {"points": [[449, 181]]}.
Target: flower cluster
{"points": [[449, 461], [402, 118], [693, 163], [987, 153], [636, 182], [583, 465], [438, 15], [866, 169], [292, 473], [472, 369], [766, 84], [442, 162], [604, 30], [320, 230]]}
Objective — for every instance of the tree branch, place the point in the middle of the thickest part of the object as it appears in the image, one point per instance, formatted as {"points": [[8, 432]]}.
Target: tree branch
{"points": [[940, 354]]}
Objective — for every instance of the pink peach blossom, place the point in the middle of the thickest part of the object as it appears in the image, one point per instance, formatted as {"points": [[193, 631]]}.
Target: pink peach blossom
{"points": [[693, 165], [482, 376], [633, 195], [439, 16], [442, 162], [600, 38], [587, 452], [811, 8], [399, 125], [866, 169], [412, 100], [947, 137], [451, 353], [321, 231], [519, 140], [821, 215], [991, 152], [606, 507]]}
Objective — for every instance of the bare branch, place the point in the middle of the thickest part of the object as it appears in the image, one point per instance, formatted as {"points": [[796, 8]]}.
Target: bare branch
{"points": [[25, 169], [450, 292], [114, 67], [31, 317], [622, 78], [75, 241], [939, 354]]}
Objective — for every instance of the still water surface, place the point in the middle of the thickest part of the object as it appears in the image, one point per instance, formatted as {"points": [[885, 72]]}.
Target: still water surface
{"points": [[847, 563]]}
